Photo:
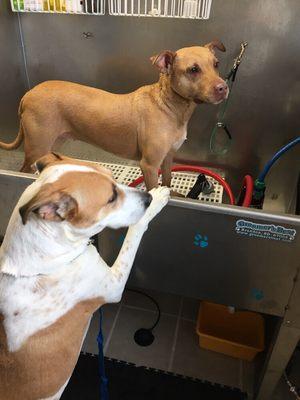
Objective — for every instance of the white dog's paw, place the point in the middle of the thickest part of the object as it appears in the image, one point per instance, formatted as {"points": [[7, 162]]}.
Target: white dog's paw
{"points": [[160, 198]]}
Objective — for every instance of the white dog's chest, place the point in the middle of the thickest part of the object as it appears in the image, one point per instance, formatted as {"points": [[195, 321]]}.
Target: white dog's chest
{"points": [[32, 304]]}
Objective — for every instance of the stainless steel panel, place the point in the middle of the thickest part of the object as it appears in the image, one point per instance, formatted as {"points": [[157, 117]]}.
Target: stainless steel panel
{"points": [[293, 312], [229, 268], [12, 74], [11, 187], [263, 113]]}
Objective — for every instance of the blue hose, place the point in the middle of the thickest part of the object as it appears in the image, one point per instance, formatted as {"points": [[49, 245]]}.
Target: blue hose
{"points": [[279, 153], [103, 379]]}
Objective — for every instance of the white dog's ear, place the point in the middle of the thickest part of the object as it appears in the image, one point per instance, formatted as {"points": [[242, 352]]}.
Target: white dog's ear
{"points": [[215, 44], [46, 160], [50, 205], [164, 61]]}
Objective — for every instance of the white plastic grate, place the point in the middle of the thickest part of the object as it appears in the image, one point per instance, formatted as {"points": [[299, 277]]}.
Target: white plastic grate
{"points": [[195, 9], [116, 169], [89, 7], [182, 182]]}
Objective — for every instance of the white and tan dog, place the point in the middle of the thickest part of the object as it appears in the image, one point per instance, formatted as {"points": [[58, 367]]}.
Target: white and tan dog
{"points": [[52, 278]]}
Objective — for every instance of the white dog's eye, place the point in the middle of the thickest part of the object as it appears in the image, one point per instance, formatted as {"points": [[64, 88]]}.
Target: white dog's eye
{"points": [[216, 64], [114, 195]]}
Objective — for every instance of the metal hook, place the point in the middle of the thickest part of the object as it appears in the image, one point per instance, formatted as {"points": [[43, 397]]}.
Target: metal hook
{"points": [[87, 35]]}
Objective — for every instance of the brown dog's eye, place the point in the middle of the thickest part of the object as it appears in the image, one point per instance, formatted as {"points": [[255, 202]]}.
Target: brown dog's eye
{"points": [[194, 69], [216, 64], [114, 196]]}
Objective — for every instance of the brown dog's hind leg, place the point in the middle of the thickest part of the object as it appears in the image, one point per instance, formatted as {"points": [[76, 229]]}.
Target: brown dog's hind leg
{"points": [[38, 141], [26, 167], [33, 152], [30, 159]]}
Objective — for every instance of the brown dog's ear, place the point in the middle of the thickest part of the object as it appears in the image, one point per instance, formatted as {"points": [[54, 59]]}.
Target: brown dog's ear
{"points": [[215, 44], [42, 162], [164, 61], [50, 205]]}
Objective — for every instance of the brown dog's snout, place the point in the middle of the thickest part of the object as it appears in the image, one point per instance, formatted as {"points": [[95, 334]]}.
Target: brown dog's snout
{"points": [[221, 88], [147, 200]]}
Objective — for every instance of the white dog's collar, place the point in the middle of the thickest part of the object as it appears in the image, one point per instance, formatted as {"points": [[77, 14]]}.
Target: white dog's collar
{"points": [[54, 266]]}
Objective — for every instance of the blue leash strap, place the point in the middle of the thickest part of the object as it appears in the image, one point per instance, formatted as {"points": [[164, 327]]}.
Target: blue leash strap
{"points": [[103, 379]]}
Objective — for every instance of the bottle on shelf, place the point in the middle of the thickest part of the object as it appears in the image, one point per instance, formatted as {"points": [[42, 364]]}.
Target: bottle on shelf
{"points": [[18, 5], [55, 5]]}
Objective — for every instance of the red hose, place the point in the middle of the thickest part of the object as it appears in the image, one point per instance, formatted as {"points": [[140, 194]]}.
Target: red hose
{"points": [[192, 168], [248, 185]]}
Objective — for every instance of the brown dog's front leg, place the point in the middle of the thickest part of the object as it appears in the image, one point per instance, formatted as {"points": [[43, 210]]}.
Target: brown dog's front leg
{"points": [[150, 173], [166, 169]]}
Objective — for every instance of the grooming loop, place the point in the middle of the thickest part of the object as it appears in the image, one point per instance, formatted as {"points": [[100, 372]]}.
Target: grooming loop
{"points": [[195, 9], [89, 7], [182, 182]]}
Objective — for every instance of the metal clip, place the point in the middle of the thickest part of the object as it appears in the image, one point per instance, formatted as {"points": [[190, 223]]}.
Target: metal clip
{"points": [[224, 126], [238, 60]]}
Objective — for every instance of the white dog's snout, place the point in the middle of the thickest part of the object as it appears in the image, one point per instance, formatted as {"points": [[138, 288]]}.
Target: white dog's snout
{"points": [[132, 209]]}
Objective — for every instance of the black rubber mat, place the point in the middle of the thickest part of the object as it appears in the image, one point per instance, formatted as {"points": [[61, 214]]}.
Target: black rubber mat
{"points": [[129, 382]]}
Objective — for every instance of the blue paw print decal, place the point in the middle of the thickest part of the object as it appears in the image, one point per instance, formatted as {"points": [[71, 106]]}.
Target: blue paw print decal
{"points": [[257, 294], [201, 241]]}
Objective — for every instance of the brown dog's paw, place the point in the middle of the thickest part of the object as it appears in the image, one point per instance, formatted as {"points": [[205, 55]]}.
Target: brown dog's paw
{"points": [[176, 194]]}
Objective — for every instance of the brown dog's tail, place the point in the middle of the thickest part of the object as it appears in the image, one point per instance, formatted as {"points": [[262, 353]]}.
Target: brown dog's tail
{"points": [[17, 142]]}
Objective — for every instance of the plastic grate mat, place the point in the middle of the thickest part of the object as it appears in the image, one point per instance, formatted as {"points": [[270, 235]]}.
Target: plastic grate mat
{"points": [[182, 182]]}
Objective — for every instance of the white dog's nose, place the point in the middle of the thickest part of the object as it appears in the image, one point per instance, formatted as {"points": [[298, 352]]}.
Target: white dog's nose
{"points": [[148, 199]]}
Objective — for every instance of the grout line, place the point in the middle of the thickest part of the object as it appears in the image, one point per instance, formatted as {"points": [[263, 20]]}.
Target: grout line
{"points": [[188, 320], [109, 336], [171, 360], [154, 312], [141, 309]]}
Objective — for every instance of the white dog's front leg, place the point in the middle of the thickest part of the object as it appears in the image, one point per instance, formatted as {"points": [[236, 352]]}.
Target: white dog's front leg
{"points": [[120, 271]]}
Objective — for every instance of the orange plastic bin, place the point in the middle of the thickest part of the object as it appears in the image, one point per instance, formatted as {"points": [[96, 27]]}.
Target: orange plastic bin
{"points": [[238, 334]]}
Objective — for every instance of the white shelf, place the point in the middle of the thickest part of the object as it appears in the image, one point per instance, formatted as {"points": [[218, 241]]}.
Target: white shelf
{"points": [[192, 9], [84, 7]]}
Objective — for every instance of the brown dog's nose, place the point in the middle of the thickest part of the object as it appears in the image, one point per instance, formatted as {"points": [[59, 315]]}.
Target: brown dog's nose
{"points": [[221, 88]]}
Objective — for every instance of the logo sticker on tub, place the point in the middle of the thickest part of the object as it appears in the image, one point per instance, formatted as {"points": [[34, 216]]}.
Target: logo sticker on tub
{"points": [[265, 231]]}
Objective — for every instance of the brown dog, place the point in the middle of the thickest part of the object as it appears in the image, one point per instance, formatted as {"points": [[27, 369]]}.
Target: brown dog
{"points": [[149, 124]]}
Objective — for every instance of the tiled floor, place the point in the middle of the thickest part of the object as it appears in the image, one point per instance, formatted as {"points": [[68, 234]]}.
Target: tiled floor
{"points": [[175, 347]]}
